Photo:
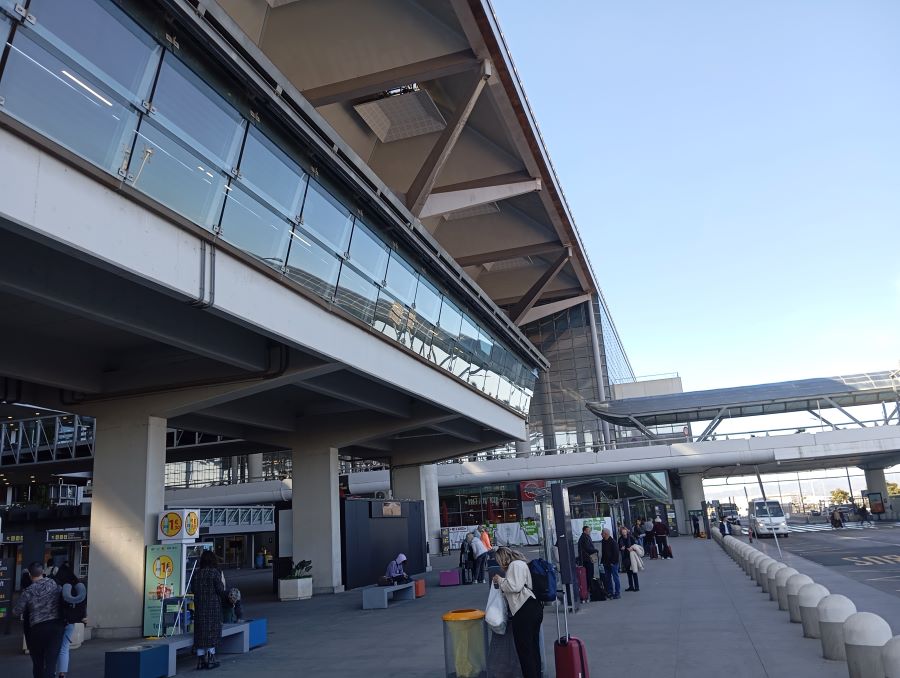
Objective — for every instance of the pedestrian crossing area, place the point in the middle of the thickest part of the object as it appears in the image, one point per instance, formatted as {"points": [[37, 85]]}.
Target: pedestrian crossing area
{"points": [[823, 527]]}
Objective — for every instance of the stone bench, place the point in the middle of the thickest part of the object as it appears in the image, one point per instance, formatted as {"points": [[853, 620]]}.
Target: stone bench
{"points": [[235, 640], [376, 597]]}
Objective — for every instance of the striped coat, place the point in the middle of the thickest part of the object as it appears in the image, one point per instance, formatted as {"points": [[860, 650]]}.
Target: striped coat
{"points": [[209, 593]]}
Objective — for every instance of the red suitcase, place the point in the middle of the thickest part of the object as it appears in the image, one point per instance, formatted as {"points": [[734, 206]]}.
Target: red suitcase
{"points": [[584, 593], [568, 651]]}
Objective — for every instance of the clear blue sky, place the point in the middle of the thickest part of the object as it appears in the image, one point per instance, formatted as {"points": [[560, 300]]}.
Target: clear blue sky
{"points": [[734, 170]]}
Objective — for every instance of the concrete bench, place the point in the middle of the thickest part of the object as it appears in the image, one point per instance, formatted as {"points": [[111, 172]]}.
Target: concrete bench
{"points": [[376, 597], [235, 640]]}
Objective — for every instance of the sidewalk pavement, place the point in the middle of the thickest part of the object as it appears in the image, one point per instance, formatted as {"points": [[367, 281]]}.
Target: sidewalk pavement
{"points": [[696, 616]]}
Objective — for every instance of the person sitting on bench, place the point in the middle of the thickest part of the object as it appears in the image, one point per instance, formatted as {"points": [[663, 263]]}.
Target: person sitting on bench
{"points": [[395, 570]]}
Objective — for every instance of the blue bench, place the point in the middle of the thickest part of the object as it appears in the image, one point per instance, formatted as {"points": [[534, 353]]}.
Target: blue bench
{"points": [[376, 597]]}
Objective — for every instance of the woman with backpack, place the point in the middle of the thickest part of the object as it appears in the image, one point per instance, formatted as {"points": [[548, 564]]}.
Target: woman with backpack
{"points": [[526, 613], [73, 609]]}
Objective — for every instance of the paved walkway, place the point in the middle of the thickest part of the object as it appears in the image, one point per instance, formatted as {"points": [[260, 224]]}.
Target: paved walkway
{"points": [[696, 616]]}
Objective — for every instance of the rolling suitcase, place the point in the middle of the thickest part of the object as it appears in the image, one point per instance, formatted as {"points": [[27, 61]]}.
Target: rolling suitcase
{"points": [[568, 651], [467, 575], [450, 578], [667, 552], [584, 593], [654, 552], [598, 590]]}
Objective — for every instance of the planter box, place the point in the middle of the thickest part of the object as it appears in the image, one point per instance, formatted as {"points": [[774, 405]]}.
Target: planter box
{"points": [[295, 589]]}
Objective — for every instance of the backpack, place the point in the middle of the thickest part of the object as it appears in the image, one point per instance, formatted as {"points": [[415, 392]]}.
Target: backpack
{"points": [[543, 580]]}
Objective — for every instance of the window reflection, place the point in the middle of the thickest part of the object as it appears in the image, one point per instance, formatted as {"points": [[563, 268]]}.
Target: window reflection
{"points": [[164, 170], [195, 112], [327, 218], [272, 174], [247, 224], [65, 105], [391, 318], [356, 295], [368, 253], [401, 280], [105, 37], [311, 265]]}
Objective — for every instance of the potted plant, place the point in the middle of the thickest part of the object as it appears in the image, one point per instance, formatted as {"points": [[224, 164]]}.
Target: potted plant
{"points": [[298, 584]]}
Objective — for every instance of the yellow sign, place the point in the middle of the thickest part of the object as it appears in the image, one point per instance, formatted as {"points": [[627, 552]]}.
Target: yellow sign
{"points": [[163, 567], [191, 523], [170, 524]]}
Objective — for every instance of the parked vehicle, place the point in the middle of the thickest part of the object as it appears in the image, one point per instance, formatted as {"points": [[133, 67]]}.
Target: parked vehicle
{"points": [[767, 518]]}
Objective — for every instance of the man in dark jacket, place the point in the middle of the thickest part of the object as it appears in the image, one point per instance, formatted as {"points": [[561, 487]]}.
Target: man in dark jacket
{"points": [[609, 558], [586, 549], [40, 604]]}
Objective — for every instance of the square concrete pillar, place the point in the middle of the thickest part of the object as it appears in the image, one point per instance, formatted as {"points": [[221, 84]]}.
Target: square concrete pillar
{"points": [[128, 495], [420, 482], [317, 515]]}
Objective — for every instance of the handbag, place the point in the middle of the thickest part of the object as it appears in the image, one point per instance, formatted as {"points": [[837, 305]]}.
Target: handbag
{"points": [[495, 611]]}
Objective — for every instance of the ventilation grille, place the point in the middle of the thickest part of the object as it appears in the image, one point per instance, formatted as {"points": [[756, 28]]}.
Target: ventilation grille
{"points": [[402, 116]]}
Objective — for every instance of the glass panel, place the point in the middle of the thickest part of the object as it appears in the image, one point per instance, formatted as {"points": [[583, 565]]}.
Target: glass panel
{"points": [[451, 319], [491, 383], [401, 279], [368, 253], [197, 113], [104, 36], [462, 363], [311, 265], [327, 218], [178, 179], [391, 318], [356, 295], [484, 345], [247, 224], [65, 105], [272, 174], [422, 334], [468, 334], [428, 301], [504, 392]]}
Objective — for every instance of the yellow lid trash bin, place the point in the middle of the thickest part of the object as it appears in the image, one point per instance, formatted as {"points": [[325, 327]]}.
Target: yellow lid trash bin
{"points": [[465, 644]]}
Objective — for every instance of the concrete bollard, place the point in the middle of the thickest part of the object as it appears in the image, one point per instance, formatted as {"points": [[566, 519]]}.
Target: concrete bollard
{"points": [[865, 634], [834, 610], [794, 584], [809, 598], [761, 577], [754, 558], [781, 579], [761, 560], [890, 656], [770, 578]]}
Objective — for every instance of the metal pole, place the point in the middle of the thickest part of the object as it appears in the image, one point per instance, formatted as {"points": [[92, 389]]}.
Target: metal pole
{"points": [[768, 513], [598, 367], [802, 504], [849, 484]]}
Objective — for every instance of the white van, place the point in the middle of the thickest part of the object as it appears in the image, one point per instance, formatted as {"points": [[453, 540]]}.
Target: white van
{"points": [[767, 518]]}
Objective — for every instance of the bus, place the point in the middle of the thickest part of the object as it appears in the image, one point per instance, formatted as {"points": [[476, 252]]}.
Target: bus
{"points": [[767, 518]]}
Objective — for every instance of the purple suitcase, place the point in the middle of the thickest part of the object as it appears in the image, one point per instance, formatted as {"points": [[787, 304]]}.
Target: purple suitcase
{"points": [[450, 578]]}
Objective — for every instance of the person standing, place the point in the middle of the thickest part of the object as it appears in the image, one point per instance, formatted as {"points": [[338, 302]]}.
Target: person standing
{"points": [[526, 613], [661, 532], [609, 558], [863, 514], [586, 551], [480, 551], [40, 605], [649, 537], [209, 594], [467, 558], [695, 523], [486, 538], [73, 611], [626, 546]]}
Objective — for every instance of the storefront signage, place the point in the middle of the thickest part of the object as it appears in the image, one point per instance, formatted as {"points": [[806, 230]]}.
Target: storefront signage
{"points": [[13, 538], [7, 574], [527, 488], [178, 525], [66, 535], [162, 579], [597, 526], [876, 502]]}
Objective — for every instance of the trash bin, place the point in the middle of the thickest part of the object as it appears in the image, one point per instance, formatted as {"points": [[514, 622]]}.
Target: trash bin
{"points": [[465, 644]]}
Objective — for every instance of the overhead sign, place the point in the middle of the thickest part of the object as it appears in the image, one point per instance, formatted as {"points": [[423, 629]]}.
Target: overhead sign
{"points": [[528, 488], [67, 535], [179, 525]]}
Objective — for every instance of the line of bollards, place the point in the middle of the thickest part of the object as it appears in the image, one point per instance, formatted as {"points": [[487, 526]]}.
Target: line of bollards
{"points": [[862, 639]]}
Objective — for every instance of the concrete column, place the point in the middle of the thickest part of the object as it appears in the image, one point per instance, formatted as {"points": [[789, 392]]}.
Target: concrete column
{"points": [[255, 467], [129, 472], [692, 491], [523, 449], [420, 483], [875, 482], [317, 515]]}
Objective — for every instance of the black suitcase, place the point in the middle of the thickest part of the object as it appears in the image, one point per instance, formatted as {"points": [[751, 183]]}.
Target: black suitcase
{"points": [[467, 575], [598, 590]]}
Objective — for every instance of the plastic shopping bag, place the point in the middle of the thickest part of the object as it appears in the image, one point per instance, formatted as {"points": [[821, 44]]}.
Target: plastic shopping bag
{"points": [[495, 611]]}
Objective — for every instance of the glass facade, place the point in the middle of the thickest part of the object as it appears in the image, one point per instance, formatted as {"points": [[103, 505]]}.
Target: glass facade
{"points": [[616, 365], [176, 128], [461, 506]]}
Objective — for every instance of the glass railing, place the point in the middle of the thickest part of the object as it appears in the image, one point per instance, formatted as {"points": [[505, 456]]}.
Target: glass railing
{"points": [[169, 123]]}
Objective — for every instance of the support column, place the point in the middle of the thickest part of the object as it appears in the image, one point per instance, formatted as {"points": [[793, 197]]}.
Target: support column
{"points": [[523, 449], [317, 515], [420, 482], [875, 482], [128, 495], [255, 468], [692, 491]]}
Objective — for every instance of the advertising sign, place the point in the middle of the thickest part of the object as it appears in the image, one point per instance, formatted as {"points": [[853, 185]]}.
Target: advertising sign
{"points": [[162, 579], [597, 526], [876, 502], [7, 583], [527, 488], [178, 525]]}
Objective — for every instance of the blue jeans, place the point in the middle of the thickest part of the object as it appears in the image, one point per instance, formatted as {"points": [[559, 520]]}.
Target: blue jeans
{"points": [[611, 575], [62, 664]]}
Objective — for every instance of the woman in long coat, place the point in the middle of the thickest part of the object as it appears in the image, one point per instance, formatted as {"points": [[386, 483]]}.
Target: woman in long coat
{"points": [[209, 594]]}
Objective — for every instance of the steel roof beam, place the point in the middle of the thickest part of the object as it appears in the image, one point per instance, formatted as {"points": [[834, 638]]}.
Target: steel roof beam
{"points": [[510, 253], [525, 304], [444, 201]]}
